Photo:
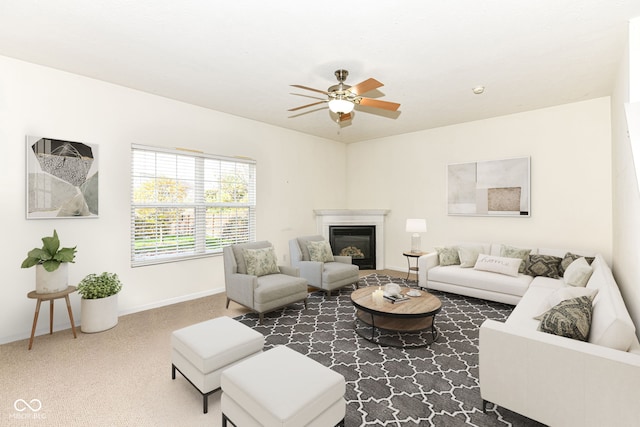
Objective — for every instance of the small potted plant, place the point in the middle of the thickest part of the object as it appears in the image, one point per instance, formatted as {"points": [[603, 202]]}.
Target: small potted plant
{"points": [[51, 262], [99, 303]]}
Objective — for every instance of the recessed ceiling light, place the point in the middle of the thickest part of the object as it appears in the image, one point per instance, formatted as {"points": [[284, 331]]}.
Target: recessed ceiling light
{"points": [[478, 90]]}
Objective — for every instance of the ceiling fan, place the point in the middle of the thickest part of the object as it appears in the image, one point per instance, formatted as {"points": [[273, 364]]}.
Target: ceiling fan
{"points": [[342, 98]]}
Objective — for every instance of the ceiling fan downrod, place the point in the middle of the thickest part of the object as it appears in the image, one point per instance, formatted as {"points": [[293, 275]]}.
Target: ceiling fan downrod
{"points": [[341, 75]]}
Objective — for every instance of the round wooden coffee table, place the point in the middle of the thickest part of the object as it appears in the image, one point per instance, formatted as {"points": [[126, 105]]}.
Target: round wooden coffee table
{"points": [[415, 316]]}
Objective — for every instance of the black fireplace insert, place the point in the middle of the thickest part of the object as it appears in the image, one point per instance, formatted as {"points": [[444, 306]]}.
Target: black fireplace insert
{"points": [[357, 241]]}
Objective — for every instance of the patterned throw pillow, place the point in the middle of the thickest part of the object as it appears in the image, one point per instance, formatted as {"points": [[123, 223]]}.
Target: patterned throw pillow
{"points": [[512, 252], [543, 265], [448, 256], [571, 318], [569, 258], [261, 262], [320, 251], [562, 294]]}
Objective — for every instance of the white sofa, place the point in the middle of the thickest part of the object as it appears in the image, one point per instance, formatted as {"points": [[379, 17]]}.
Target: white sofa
{"points": [[555, 380], [474, 283]]}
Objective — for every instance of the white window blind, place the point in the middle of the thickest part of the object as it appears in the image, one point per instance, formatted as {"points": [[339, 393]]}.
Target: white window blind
{"points": [[186, 205]]}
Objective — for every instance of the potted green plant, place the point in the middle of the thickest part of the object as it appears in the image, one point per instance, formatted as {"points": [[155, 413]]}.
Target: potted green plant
{"points": [[51, 262], [99, 302]]}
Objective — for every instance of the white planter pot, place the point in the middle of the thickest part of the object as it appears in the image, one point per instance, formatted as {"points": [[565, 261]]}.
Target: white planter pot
{"points": [[48, 282], [99, 314]]}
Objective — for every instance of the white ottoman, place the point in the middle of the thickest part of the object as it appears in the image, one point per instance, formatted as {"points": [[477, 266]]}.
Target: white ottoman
{"points": [[202, 351], [283, 388]]}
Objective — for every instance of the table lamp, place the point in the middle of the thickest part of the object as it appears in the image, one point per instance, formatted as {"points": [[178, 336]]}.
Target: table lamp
{"points": [[416, 226]]}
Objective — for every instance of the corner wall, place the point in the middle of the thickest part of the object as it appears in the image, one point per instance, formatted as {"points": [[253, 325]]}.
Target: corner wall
{"points": [[40, 101], [626, 195], [570, 150]]}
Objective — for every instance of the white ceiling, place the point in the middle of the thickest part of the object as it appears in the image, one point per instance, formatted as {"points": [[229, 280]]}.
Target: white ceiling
{"points": [[240, 56]]}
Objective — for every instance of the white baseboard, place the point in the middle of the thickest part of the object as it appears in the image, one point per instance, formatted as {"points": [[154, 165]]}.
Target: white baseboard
{"points": [[43, 326], [399, 269], [170, 301]]}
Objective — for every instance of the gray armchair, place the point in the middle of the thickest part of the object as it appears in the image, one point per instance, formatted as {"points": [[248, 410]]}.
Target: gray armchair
{"points": [[322, 275], [263, 292]]}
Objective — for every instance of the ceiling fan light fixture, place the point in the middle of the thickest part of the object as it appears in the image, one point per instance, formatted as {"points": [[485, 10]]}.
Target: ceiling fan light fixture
{"points": [[342, 98], [341, 106]]}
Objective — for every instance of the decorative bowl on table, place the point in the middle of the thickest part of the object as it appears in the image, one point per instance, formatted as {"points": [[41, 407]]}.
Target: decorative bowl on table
{"points": [[392, 289]]}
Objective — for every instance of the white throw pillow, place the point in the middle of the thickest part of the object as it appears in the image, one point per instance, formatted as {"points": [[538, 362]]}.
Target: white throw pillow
{"points": [[468, 256], [563, 294], [578, 273], [498, 264]]}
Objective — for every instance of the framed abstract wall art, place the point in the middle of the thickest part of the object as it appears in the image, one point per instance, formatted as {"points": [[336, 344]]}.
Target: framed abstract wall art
{"points": [[62, 179], [490, 188]]}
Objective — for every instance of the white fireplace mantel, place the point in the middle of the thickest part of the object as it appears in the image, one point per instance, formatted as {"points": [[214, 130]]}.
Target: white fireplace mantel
{"points": [[328, 217]]}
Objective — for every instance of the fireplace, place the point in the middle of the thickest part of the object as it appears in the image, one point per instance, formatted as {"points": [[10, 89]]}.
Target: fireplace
{"points": [[326, 218], [357, 241]]}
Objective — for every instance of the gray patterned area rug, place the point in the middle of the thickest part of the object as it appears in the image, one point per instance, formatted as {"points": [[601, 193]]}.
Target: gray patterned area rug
{"points": [[387, 386]]}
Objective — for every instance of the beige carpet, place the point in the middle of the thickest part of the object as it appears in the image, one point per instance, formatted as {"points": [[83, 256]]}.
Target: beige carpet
{"points": [[120, 377]]}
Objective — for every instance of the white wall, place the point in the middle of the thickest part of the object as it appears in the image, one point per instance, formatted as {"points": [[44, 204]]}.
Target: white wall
{"points": [[626, 195], [41, 101], [570, 149], [633, 58], [569, 145]]}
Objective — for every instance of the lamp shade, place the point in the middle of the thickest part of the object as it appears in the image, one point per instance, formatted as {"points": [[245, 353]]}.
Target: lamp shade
{"points": [[416, 225], [341, 106]]}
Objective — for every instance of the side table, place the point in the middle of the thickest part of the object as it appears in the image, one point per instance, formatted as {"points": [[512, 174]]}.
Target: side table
{"points": [[416, 255], [51, 297]]}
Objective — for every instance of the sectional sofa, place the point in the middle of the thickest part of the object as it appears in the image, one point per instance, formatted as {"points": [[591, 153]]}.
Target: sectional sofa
{"points": [[548, 377]]}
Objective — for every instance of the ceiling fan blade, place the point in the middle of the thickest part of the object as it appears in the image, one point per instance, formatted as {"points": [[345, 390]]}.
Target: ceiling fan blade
{"points": [[365, 86], [306, 96], [310, 88], [308, 105], [344, 117], [376, 103]]}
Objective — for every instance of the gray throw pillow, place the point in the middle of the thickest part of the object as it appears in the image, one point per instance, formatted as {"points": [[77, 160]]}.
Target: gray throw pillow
{"points": [[543, 265], [570, 318]]}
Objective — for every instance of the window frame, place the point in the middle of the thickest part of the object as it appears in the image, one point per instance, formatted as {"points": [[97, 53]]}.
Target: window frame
{"points": [[206, 239]]}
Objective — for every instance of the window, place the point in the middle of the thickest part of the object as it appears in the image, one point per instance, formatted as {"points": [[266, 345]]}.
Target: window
{"points": [[186, 205]]}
